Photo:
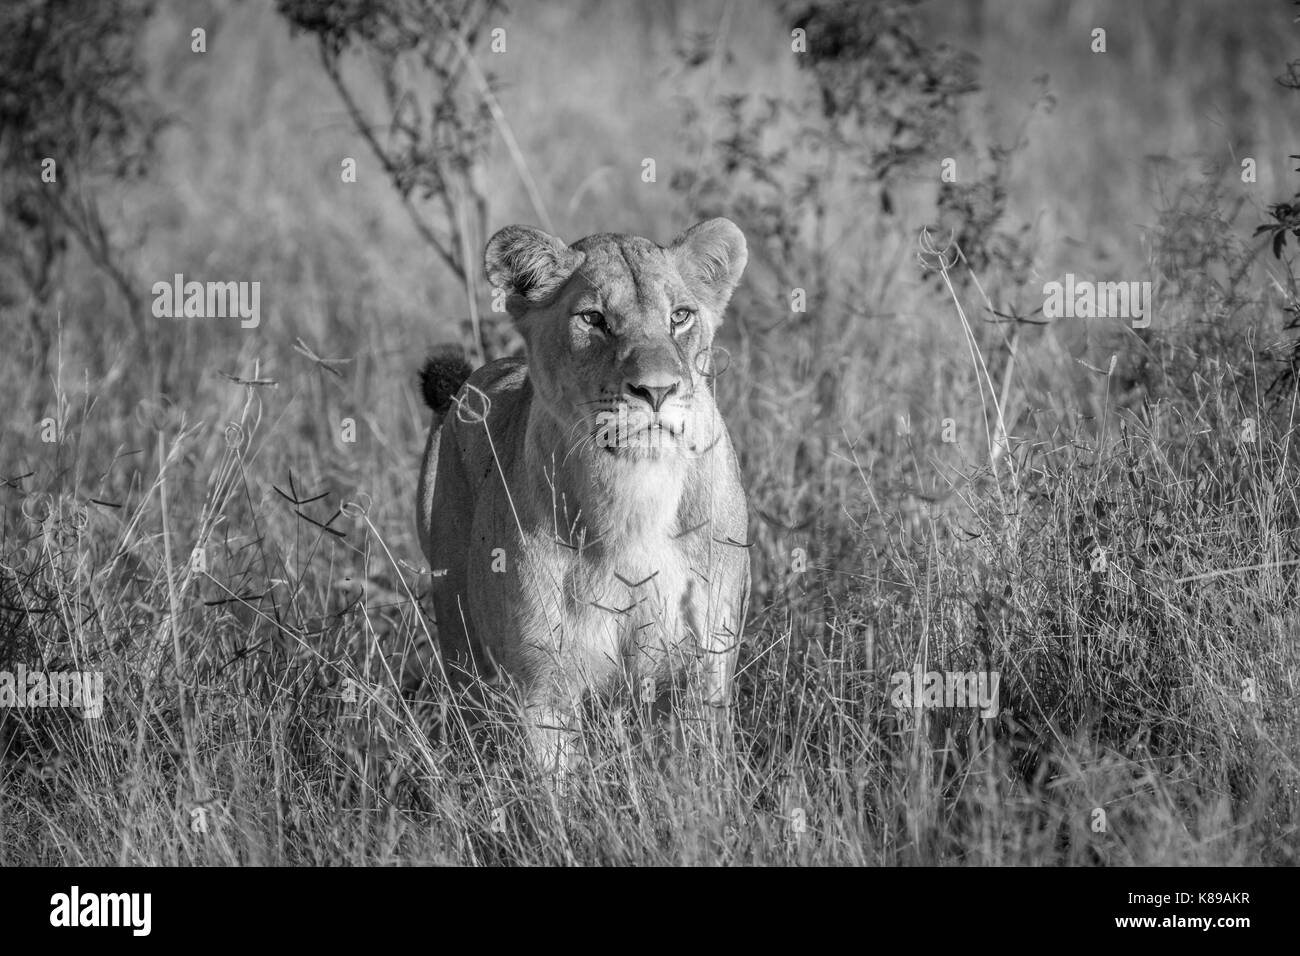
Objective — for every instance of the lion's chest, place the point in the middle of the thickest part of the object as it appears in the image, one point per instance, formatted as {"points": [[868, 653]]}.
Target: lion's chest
{"points": [[633, 597], [617, 610], [549, 592]]}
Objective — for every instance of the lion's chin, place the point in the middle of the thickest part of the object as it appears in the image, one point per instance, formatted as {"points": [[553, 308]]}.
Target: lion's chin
{"points": [[637, 437], [645, 445]]}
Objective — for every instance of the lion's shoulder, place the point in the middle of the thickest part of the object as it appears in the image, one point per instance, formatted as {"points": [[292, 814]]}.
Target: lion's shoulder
{"points": [[490, 412], [500, 388], [502, 375]]}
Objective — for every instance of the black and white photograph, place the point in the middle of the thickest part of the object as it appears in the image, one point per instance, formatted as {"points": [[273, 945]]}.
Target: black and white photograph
{"points": [[597, 433]]}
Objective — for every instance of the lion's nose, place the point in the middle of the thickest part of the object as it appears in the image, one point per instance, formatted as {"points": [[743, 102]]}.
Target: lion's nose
{"points": [[652, 395]]}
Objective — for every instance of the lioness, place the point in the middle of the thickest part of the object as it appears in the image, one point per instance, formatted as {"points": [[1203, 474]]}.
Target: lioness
{"points": [[582, 511]]}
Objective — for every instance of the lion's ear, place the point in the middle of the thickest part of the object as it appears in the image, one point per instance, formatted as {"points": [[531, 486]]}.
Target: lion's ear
{"points": [[527, 262], [712, 255]]}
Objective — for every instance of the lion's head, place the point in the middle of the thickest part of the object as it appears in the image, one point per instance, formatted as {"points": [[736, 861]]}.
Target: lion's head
{"points": [[619, 332]]}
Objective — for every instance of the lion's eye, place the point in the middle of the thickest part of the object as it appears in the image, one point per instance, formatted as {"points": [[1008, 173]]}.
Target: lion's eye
{"points": [[594, 318], [682, 318]]}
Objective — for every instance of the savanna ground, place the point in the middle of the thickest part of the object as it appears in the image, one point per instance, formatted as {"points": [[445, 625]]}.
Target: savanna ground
{"points": [[1106, 529]]}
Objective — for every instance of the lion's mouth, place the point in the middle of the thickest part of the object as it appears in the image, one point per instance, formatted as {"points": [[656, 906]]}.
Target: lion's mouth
{"points": [[631, 431]]}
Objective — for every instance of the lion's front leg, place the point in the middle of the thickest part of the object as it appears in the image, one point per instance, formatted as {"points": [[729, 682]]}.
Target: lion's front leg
{"points": [[553, 734], [718, 667], [552, 703], [719, 652]]}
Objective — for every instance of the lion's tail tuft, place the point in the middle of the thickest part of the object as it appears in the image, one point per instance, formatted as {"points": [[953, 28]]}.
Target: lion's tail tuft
{"points": [[443, 373]]}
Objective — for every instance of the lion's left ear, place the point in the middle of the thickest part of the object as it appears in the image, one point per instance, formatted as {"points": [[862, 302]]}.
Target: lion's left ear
{"points": [[528, 264], [711, 255]]}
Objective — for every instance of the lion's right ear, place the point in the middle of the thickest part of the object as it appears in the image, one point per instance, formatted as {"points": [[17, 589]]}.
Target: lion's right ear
{"points": [[711, 255], [528, 263]]}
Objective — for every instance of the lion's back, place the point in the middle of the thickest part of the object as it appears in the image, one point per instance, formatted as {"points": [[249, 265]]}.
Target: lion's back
{"points": [[488, 416]]}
